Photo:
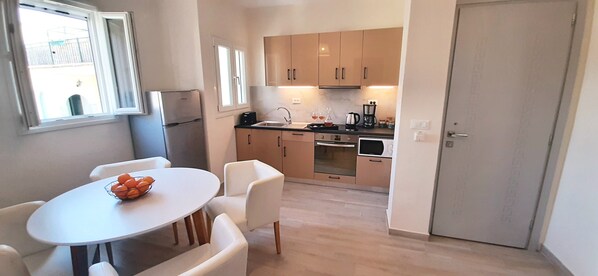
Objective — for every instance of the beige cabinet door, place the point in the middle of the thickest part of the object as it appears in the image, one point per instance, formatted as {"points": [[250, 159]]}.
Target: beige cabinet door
{"points": [[381, 56], [298, 154], [350, 58], [329, 50], [244, 148], [277, 52], [372, 171], [304, 58], [267, 146]]}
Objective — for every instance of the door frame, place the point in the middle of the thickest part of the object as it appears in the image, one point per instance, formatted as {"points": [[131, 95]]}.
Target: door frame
{"points": [[562, 126]]}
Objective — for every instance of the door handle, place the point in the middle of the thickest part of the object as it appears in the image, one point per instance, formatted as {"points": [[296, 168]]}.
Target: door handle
{"points": [[279, 141], [288, 74], [336, 73], [249, 139], [284, 151], [452, 134], [365, 73], [343, 73], [334, 177], [294, 74]]}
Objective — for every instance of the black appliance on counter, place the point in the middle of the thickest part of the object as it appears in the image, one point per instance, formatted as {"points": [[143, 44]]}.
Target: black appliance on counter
{"points": [[248, 118], [369, 116]]}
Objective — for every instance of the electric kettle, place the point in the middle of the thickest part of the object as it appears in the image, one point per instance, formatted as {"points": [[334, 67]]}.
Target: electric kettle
{"points": [[352, 120]]}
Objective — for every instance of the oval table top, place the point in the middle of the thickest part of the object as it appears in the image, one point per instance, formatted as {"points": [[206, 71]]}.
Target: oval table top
{"points": [[88, 215]]}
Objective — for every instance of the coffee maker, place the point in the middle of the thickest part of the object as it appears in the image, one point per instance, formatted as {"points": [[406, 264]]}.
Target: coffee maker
{"points": [[369, 115]]}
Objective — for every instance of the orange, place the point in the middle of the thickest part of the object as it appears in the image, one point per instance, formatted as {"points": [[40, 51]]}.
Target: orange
{"points": [[123, 178], [143, 186], [131, 183], [133, 193], [113, 187], [121, 191], [148, 179]]}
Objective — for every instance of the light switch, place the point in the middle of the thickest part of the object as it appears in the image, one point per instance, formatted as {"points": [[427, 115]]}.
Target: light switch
{"points": [[296, 100], [420, 124]]}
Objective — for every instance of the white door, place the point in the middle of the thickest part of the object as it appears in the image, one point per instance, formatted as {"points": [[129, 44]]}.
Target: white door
{"points": [[509, 66]]}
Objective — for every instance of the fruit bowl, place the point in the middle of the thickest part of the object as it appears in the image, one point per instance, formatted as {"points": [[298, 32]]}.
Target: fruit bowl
{"points": [[129, 187]]}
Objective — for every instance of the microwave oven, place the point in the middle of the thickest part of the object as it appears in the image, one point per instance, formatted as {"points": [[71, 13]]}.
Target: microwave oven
{"points": [[375, 147]]}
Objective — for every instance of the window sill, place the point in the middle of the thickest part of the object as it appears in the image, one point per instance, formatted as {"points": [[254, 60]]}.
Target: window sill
{"points": [[72, 123], [232, 112]]}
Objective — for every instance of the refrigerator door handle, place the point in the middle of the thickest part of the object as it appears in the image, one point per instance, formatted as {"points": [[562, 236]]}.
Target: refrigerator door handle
{"points": [[172, 124]]}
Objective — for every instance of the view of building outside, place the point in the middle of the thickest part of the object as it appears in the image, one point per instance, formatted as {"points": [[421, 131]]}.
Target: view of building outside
{"points": [[61, 64]]}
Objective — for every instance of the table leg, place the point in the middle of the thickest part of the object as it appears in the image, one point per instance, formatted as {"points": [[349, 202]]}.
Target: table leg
{"points": [[200, 227], [189, 227], [109, 253], [79, 260]]}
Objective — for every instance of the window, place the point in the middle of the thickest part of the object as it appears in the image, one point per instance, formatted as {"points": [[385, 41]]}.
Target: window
{"points": [[232, 83], [72, 65]]}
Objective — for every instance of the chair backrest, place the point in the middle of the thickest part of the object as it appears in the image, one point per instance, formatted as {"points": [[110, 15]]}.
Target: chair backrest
{"points": [[11, 262], [108, 170], [13, 228], [238, 176], [228, 248], [264, 196]]}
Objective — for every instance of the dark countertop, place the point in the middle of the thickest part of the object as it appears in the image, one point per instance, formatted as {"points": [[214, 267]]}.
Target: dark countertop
{"points": [[379, 132]]}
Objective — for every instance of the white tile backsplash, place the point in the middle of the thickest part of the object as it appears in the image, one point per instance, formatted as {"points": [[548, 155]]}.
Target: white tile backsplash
{"points": [[265, 100]]}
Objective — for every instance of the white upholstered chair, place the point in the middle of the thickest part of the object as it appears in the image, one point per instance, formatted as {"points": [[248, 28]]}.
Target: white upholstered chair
{"points": [[226, 254], [252, 196], [22, 255]]}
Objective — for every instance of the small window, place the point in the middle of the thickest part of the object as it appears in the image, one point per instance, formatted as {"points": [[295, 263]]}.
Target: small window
{"points": [[72, 64], [232, 84]]}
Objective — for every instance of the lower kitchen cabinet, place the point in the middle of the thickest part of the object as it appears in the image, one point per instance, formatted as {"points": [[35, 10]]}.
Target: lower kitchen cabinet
{"points": [[267, 147], [298, 154], [244, 149], [373, 171]]}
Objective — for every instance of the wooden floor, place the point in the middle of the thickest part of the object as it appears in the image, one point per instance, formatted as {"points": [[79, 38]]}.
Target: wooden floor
{"points": [[333, 231]]}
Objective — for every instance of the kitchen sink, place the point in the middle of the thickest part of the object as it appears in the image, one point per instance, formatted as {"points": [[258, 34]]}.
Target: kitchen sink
{"points": [[270, 124]]}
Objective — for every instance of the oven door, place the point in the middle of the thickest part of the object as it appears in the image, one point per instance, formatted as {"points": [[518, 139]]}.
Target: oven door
{"points": [[335, 158]]}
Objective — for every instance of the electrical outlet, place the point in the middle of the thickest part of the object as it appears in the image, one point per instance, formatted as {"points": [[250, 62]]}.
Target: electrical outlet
{"points": [[373, 102], [296, 100], [420, 124]]}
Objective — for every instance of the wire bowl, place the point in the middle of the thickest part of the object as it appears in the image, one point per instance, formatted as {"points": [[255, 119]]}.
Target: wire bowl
{"points": [[124, 195]]}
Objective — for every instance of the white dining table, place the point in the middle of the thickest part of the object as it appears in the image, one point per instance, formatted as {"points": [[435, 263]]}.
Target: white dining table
{"points": [[88, 215]]}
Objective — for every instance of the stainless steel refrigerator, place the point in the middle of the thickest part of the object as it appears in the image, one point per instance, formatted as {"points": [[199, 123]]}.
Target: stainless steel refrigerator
{"points": [[173, 129]]}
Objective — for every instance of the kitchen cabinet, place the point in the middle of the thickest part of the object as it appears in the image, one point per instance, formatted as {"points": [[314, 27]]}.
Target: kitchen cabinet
{"points": [[373, 171], [298, 154], [244, 149], [339, 58], [381, 56], [261, 144], [291, 60]]}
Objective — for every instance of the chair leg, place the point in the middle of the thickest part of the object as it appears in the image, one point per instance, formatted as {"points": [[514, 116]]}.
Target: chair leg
{"points": [[109, 253], [209, 226], [96, 255], [189, 226], [277, 236], [175, 231]]}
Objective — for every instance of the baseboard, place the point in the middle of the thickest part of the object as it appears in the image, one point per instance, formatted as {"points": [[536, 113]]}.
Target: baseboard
{"points": [[555, 261], [405, 234]]}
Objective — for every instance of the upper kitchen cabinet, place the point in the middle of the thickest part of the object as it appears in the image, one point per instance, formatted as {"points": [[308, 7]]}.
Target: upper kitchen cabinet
{"points": [[340, 58], [291, 60], [381, 56]]}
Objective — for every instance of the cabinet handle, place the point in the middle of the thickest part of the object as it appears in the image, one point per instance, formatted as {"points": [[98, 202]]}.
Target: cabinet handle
{"points": [[294, 74], [365, 73], [284, 151], [343, 73], [334, 177], [288, 74], [249, 139], [279, 141], [375, 161], [336, 73], [297, 134]]}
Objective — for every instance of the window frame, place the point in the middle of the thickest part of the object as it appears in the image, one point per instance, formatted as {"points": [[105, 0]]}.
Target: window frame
{"points": [[234, 79], [25, 95]]}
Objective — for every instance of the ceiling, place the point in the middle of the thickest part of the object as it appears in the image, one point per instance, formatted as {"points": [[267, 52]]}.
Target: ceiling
{"points": [[270, 3]]}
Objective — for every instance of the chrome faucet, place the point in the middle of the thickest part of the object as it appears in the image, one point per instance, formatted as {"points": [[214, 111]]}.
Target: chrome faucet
{"points": [[285, 118]]}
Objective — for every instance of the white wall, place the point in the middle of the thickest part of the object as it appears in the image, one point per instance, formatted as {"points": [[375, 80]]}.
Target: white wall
{"points": [[316, 17], [424, 68], [226, 20], [574, 222]]}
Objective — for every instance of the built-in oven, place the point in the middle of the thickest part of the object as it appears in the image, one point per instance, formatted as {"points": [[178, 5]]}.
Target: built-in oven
{"points": [[375, 147], [335, 154]]}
